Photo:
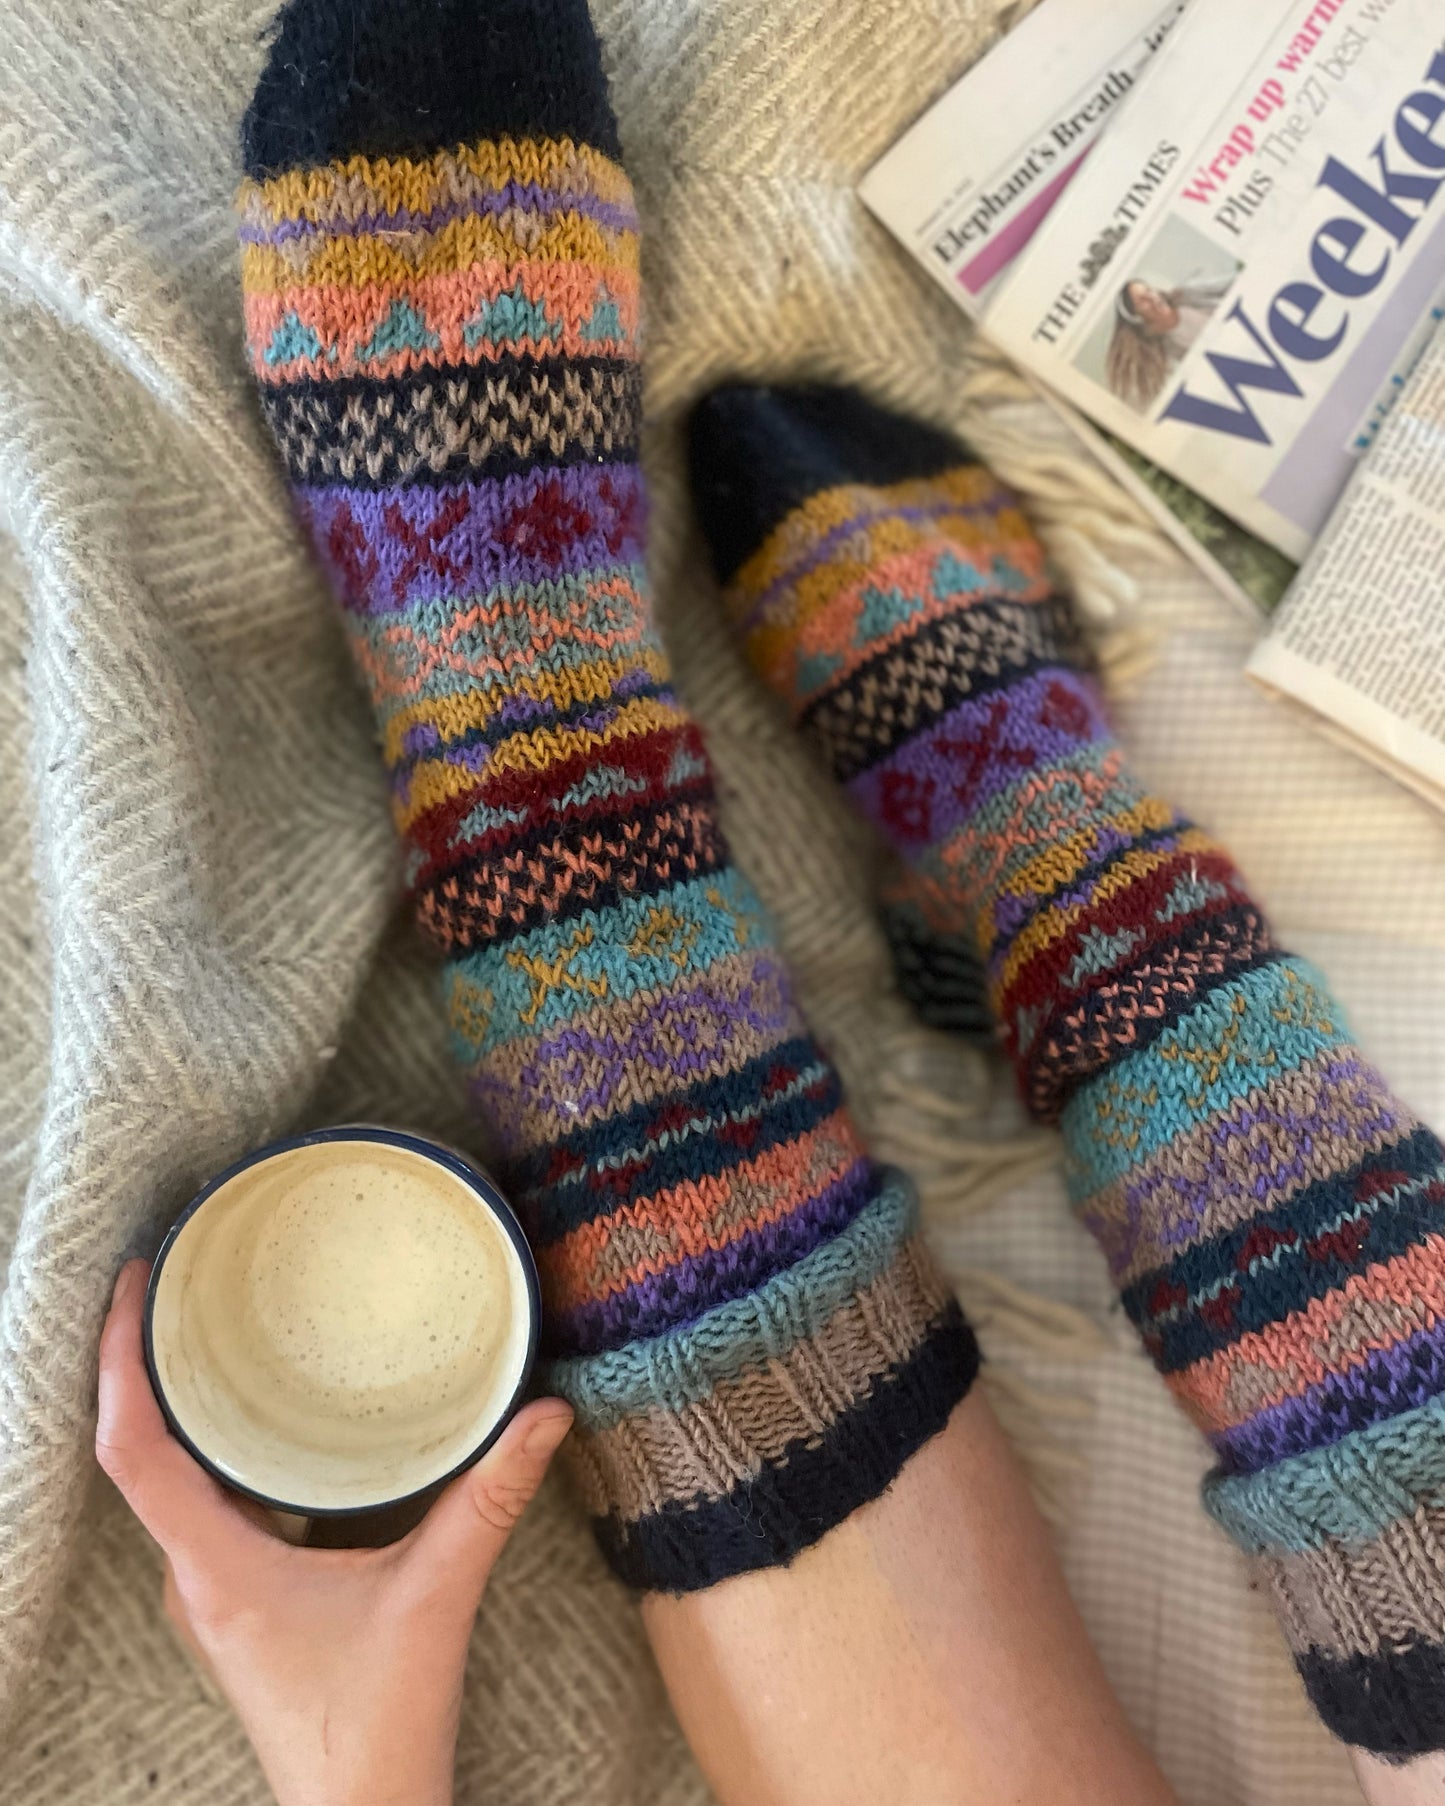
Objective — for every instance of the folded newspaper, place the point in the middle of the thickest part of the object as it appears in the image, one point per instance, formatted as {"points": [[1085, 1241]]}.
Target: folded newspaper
{"points": [[1231, 276], [1251, 251], [1360, 640], [967, 187]]}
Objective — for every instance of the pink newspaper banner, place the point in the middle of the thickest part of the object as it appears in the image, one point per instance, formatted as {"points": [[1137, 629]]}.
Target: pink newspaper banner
{"points": [[1006, 244]]}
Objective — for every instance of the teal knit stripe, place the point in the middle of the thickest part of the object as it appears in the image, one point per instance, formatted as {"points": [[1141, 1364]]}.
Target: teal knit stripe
{"points": [[1352, 1490], [560, 970], [1240, 1037], [683, 1366]]}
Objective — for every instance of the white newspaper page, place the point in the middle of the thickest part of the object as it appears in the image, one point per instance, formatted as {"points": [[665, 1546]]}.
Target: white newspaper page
{"points": [[969, 184], [1250, 250], [1360, 639]]}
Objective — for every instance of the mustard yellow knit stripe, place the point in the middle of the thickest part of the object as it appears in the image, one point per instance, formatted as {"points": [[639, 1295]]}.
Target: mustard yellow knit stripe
{"points": [[341, 193]]}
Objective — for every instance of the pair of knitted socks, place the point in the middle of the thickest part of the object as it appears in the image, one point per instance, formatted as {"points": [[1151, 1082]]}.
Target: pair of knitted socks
{"points": [[442, 301]]}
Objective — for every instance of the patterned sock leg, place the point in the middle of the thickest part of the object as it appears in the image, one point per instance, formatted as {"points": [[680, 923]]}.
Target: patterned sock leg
{"points": [[441, 278], [1272, 1215]]}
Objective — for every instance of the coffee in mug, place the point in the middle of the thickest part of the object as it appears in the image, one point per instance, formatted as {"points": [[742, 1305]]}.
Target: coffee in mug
{"points": [[340, 1321]]}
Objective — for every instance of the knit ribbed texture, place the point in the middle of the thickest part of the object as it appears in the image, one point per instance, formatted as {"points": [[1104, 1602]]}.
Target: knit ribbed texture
{"points": [[446, 347], [1271, 1214]]}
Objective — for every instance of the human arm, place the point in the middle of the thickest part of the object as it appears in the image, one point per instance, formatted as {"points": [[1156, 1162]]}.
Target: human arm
{"points": [[344, 1665]]}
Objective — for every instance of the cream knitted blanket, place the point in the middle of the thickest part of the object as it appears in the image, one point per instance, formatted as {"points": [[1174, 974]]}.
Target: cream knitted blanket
{"points": [[197, 889]]}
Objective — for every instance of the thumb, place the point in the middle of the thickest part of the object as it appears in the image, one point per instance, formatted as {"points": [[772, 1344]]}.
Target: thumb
{"points": [[459, 1541]]}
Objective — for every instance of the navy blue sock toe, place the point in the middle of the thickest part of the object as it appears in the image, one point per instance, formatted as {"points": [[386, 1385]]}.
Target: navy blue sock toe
{"points": [[388, 78]]}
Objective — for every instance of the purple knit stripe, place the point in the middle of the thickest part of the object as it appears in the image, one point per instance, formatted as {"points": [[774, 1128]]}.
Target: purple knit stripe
{"points": [[822, 550], [698, 1283], [937, 780], [589, 1068], [1387, 1382], [531, 197], [1265, 1141], [386, 548], [697, 1014]]}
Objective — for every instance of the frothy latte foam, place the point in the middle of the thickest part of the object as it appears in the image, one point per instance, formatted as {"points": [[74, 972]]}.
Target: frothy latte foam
{"points": [[340, 1324]]}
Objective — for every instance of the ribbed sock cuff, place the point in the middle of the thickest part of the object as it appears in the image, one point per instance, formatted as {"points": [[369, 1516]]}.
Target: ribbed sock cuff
{"points": [[1351, 1539], [737, 1441], [770, 1515]]}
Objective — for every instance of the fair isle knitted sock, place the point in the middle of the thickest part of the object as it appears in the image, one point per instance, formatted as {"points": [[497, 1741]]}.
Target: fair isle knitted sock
{"points": [[440, 263], [1274, 1218]]}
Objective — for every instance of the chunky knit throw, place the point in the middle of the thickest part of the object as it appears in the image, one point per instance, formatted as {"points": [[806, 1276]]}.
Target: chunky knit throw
{"points": [[440, 262], [1274, 1218]]}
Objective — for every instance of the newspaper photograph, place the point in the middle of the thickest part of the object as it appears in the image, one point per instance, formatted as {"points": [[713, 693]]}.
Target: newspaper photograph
{"points": [[1250, 253]]}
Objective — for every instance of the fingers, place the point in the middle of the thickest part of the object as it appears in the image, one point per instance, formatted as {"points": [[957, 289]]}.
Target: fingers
{"points": [[199, 1525], [176, 1500], [457, 1545]]}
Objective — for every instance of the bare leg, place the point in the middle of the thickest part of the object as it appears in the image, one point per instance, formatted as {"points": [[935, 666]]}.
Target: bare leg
{"points": [[926, 1650], [1417, 1783]]}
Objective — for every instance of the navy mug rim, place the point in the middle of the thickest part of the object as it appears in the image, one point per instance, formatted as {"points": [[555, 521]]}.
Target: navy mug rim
{"points": [[461, 1168]]}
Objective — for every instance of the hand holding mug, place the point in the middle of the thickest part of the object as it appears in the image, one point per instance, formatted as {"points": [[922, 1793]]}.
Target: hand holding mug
{"points": [[344, 1665]]}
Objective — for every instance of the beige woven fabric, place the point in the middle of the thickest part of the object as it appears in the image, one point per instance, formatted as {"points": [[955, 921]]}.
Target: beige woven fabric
{"points": [[197, 880]]}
